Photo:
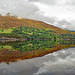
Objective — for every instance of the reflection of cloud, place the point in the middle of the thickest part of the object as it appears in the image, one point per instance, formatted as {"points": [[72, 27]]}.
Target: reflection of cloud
{"points": [[63, 65], [57, 63], [18, 68]]}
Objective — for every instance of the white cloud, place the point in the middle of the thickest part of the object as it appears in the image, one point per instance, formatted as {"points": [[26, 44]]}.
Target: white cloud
{"points": [[60, 12], [52, 2]]}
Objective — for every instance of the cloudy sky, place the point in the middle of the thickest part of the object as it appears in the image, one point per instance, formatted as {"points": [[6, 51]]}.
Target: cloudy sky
{"points": [[60, 13]]}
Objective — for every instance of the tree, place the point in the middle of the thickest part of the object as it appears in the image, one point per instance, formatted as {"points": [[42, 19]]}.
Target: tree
{"points": [[8, 14], [0, 14]]}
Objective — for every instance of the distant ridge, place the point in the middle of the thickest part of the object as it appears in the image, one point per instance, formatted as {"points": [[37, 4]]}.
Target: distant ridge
{"points": [[71, 30]]}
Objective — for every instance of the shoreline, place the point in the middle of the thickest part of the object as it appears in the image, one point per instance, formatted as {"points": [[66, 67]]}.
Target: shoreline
{"points": [[12, 56], [6, 39]]}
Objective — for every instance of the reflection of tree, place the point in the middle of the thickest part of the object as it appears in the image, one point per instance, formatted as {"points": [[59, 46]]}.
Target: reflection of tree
{"points": [[33, 45]]}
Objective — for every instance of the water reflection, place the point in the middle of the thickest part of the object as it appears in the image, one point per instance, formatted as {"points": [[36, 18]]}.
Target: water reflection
{"points": [[23, 46], [12, 51], [58, 63], [31, 45]]}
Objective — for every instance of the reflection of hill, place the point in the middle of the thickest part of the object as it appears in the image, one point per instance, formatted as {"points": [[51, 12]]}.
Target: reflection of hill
{"points": [[10, 55], [30, 45]]}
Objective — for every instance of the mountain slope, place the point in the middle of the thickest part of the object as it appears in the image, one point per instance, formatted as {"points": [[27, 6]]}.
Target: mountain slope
{"points": [[9, 22]]}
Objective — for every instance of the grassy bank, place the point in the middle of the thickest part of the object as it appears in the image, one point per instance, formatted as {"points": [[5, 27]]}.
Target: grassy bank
{"points": [[12, 56]]}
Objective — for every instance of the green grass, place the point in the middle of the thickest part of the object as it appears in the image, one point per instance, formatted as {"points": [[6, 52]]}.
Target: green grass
{"points": [[6, 46], [6, 31]]}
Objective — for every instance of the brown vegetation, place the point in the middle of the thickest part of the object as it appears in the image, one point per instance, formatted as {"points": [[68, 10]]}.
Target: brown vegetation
{"points": [[9, 22], [12, 56]]}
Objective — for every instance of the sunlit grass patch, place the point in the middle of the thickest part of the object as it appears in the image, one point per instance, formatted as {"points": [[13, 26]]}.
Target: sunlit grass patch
{"points": [[5, 31], [6, 46]]}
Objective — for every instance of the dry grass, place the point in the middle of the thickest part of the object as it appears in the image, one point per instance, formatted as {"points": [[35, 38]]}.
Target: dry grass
{"points": [[12, 56], [9, 22]]}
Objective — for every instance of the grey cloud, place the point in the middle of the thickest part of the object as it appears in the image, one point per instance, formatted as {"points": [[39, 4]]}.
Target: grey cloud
{"points": [[40, 17], [52, 2], [70, 2], [55, 2], [66, 24], [20, 8], [54, 21]]}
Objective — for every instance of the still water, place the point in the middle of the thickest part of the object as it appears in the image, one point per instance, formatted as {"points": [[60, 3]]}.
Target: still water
{"points": [[58, 63]]}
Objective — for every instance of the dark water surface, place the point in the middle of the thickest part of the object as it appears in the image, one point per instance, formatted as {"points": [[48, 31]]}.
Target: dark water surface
{"points": [[58, 63]]}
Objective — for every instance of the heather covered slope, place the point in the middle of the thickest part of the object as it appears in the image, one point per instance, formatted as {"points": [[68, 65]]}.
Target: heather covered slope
{"points": [[7, 22]]}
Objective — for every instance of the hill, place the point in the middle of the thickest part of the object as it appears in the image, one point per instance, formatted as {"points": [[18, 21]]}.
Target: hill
{"points": [[7, 22]]}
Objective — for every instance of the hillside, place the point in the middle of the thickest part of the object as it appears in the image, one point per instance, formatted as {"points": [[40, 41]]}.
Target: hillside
{"points": [[7, 22]]}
